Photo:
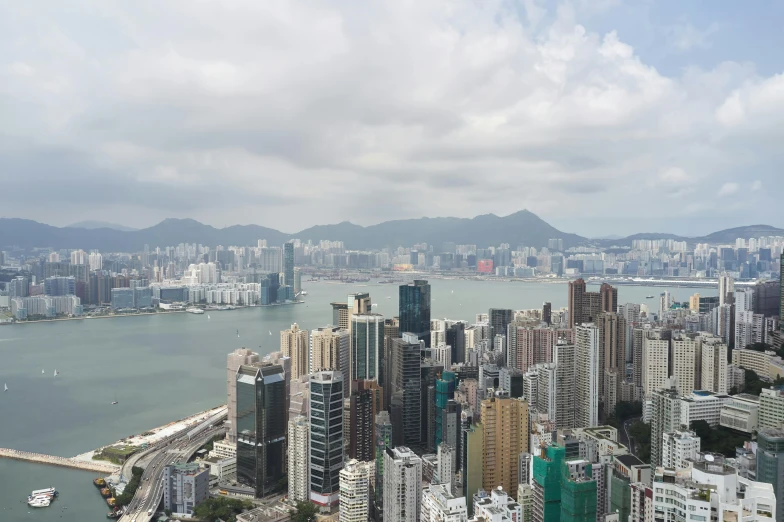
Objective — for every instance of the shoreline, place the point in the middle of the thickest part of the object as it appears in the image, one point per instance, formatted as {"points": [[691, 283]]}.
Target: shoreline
{"points": [[152, 435], [139, 314]]}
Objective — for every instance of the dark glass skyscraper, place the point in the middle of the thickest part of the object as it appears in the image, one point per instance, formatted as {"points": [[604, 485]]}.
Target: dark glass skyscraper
{"points": [[770, 464], [414, 309], [262, 418], [326, 436], [499, 319], [288, 263], [406, 394]]}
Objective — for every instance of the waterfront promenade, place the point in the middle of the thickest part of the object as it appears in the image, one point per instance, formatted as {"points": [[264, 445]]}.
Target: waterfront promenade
{"points": [[103, 467]]}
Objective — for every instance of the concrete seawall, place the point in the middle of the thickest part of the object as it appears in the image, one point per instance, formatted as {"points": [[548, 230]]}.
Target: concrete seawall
{"points": [[102, 467]]}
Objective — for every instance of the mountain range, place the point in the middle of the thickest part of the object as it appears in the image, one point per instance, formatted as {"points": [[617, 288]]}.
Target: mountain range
{"points": [[520, 228]]}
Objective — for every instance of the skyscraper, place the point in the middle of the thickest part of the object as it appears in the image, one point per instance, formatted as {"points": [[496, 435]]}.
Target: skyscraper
{"points": [[505, 436], [414, 308], [364, 403], [684, 363], [294, 343], [262, 419], [587, 375], [726, 289], [330, 349], [383, 440], [402, 485], [405, 408], [288, 263], [299, 468], [585, 307], [655, 362], [235, 359], [499, 319], [563, 490], [770, 464], [326, 436], [340, 315], [367, 338], [612, 356], [577, 290], [609, 298]]}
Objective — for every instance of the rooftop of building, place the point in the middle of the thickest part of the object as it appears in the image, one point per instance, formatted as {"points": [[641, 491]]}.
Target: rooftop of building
{"points": [[629, 460], [187, 468], [772, 433]]}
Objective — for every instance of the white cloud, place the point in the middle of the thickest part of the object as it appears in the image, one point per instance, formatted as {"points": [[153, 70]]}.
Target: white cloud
{"points": [[464, 107], [756, 185], [728, 189], [685, 36]]}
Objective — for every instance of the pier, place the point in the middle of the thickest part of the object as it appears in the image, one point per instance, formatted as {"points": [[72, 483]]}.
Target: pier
{"points": [[101, 467]]}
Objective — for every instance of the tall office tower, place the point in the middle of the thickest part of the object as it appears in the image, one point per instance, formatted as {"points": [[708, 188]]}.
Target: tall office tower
{"points": [[383, 441], [294, 343], [685, 366], [414, 306], [521, 346], [455, 338], [297, 280], [655, 362], [677, 447], [326, 436], [713, 363], [288, 263], [587, 374], [340, 315], [577, 291], [609, 298], [505, 436], [235, 359], [298, 444], [405, 408], [766, 298], [391, 332], [365, 402], [770, 464], [565, 396], [547, 313], [262, 420], [612, 356], [726, 289], [330, 349], [402, 485], [665, 418], [439, 504], [367, 338], [429, 372], [499, 319], [563, 490], [355, 485]]}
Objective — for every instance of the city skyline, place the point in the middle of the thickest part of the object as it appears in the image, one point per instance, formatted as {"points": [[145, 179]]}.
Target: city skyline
{"points": [[602, 116]]}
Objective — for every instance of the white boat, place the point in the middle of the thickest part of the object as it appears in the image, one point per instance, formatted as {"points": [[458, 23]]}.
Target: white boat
{"points": [[270, 332], [208, 316], [47, 491], [39, 502], [56, 373], [197, 311], [42, 372], [303, 293], [6, 386]]}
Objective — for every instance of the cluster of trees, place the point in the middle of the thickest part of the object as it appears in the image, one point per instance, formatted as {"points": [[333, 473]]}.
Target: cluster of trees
{"points": [[305, 512], [211, 442], [641, 433], [130, 488], [753, 384], [222, 508], [718, 439], [624, 410]]}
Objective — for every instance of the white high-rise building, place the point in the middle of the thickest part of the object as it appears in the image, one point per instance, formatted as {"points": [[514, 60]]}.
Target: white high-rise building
{"points": [[655, 362], [294, 343], [95, 260], [684, 363], [677, 447], [497, 507], [299, 471], [587, 375], [565, 414], [355, 480], [440, 505], [79, 257], [402, 485], [330, 349], [712, 363]]}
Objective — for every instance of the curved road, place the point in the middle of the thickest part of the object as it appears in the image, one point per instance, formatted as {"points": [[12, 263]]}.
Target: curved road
{"points": [[173, 449]]}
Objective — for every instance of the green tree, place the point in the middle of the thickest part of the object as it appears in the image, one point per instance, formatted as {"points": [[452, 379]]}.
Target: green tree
{"points": [[305, 512], [221, 508], [130, 488]]}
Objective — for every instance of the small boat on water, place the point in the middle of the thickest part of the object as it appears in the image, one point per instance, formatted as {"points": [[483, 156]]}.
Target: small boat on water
{"points": [[39, 502], [47, 491], [6, 386], [56, 373], [114, 402], [99, 483], [648, 297]]}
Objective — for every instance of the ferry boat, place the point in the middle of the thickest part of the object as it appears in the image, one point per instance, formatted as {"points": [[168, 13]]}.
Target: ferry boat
{"points": [[648, 297], [39, 502], [99, 483], [197, 311], [47, 491]]}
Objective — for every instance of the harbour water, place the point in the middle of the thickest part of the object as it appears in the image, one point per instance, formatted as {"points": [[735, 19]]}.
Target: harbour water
{"points": [[165, 367]]}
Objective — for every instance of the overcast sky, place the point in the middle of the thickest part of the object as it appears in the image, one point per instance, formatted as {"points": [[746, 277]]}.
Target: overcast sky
{"points": [[601, 116]]}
